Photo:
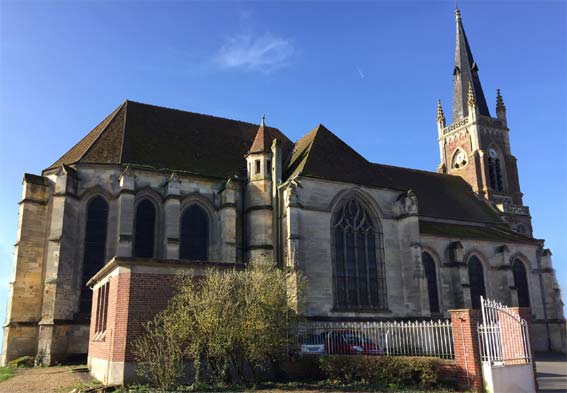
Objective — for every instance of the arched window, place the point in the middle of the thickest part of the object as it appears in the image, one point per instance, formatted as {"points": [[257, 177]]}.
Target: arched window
{"points": [[94, 247], [521, 283], [495, 170], [359, 271], [144, 238], [476, 281], [194, 241], [431, 276]]}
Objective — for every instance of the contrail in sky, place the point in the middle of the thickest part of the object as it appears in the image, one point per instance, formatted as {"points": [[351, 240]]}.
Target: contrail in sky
{"points": [[360, 72]]}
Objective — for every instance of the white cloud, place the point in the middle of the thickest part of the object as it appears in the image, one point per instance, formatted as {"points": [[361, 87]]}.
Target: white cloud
{"points": [[264, 53]]}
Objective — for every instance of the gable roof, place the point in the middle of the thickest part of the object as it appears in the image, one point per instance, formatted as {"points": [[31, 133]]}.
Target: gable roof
{"points": [[321, 154], [163, 138]]}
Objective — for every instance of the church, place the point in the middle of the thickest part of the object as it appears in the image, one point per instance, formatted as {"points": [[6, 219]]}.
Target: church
{"points": [[153, 192]]}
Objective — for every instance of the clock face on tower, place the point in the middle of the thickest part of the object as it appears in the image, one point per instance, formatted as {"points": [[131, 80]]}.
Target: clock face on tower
{"points": [[492, 153]]}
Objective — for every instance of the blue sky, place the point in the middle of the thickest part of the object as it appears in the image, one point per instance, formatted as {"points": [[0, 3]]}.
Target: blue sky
{"points": [[371, 72]]}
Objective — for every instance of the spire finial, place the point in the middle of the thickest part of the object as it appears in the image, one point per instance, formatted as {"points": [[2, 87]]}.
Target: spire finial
{"points": [[440, 114], [499, 100], [471, 97], [263, 123], [457, 12]]}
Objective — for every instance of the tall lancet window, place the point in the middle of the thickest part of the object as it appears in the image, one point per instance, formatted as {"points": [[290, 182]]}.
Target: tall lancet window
{"points": [[521, 283], [495, 170], [144, 239], [94, 247], [194, 236], [431, 276], [359, 269], [476, 281]]}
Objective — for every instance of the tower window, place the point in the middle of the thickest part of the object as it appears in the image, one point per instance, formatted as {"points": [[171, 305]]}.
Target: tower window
{"points": [[257, 163], [359, 271], [268, 167], [495, 170]]}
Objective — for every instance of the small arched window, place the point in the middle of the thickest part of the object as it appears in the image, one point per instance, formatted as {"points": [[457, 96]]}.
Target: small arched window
{"points": [[521, 283], [431, 276], [94, 247], [194, 236], [476, 281], [359, 270], [144, 238]]}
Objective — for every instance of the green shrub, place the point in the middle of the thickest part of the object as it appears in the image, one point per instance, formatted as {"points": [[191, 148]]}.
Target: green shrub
{"points": [[383, 371]]}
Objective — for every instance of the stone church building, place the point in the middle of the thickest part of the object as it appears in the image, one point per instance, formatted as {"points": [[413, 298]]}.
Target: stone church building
{"points": [[151, 192]]}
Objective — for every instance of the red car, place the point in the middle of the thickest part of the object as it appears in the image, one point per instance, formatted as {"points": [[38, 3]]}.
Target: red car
{"points": [[349, 342]]}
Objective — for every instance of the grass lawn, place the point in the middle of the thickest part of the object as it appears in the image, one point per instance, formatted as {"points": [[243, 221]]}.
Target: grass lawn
{"points": [[6, 373]]}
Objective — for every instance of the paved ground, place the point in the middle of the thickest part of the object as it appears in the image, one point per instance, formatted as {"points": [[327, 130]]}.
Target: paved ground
{"points": [[551, 373]]}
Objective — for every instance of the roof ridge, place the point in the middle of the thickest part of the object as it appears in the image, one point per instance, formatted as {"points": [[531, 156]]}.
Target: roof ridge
{"points": [[202, 114], [123, 130], [417, 170]]}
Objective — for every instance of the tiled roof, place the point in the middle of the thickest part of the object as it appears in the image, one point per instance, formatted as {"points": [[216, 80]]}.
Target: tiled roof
{"points": [[168, 139], [321, 154], [163, 138]]}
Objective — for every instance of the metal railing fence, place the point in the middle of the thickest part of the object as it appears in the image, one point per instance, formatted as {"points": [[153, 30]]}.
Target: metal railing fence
{"points": [[404, 338], [503, 336]]}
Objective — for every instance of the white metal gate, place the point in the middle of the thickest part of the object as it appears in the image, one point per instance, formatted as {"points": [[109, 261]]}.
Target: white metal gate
{"points": [[504, 349]]}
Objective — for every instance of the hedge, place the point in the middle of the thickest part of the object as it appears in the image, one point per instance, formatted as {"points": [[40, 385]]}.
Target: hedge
{"points": [[384, 371]]}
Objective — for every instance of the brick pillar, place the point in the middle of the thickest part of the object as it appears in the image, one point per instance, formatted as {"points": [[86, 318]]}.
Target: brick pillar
{"points": [[467, 353], [525, 313]]}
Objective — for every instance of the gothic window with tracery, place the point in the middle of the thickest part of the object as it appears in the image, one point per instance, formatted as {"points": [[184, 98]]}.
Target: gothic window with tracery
{"points": [[521, 283], [194, 234], [476, 281], [431, 276], [144, 238], [94, 256], [359, 270]]}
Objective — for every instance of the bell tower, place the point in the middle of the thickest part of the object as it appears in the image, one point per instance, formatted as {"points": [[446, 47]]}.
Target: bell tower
{"points": [[475, 145]]}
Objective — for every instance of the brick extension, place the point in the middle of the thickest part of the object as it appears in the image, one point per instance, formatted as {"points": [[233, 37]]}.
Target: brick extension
{"points": [[138, 290]]}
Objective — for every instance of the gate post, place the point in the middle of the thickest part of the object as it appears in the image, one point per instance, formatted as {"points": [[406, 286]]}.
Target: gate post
{"points": [[525, 314], [467, 353]]}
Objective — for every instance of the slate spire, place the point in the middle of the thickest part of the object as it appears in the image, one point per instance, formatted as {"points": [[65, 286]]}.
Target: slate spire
{"points": [[465, 73], [262, 141]]}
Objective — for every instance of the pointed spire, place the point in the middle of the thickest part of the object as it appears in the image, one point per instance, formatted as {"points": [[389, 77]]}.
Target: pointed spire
{"points": [[440, 114], [465, 73], [262, 140]]}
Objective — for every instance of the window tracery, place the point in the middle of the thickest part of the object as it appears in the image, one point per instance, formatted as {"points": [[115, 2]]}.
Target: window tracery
{"points": [[359, 270]]}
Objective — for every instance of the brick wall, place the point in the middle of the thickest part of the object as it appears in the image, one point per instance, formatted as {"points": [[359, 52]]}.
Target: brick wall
{"points": [[467, 354]]}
